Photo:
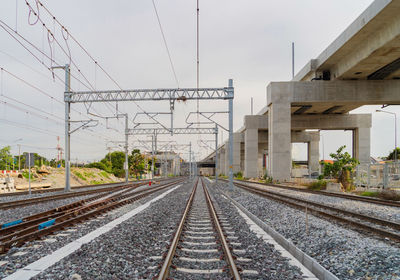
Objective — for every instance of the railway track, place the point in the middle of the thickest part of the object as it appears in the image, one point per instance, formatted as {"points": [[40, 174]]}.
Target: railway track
{"points": [[49, 190], [341, 195], [18, 232], [376, 226], [202, 246], [35, 200]]}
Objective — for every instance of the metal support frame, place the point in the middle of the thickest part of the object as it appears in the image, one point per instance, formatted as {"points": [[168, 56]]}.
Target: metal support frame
{"points": [[67, 128], [190, 160], [180, 94], [230, 137], [145, 131], [171, 95], [208, 116], [216, 154]]}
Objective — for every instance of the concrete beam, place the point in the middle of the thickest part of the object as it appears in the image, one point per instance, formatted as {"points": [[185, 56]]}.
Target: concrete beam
{"points": [[331, 122], [320, 121], [256, 122], [335, 92]]}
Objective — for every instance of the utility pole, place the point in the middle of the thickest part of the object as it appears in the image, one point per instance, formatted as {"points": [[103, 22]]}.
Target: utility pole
{"points": [[126, 149], [292, 60], [230, 138], [216, 153], [19, 157], [67, 128], [190, 160]]}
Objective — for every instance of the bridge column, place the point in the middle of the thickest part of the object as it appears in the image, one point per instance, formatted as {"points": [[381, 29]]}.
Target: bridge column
{"points": [[279, 139], [313, 155], [226, 170], [237, 141], [261, 151], [250, 152], [222, 161], [362, 144]]}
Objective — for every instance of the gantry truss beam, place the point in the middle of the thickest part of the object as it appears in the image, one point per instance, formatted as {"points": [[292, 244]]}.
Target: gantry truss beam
{"points": [[182, 94], [157, 131]]}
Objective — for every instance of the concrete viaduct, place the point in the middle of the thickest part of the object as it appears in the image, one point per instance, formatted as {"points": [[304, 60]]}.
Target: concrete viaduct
{"points": [[361, 67]]}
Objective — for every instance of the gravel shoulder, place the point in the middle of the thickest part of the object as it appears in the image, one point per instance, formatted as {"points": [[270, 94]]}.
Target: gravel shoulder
{"points": [[17, 258], [374, 210], [346, 253], [125, 252]]}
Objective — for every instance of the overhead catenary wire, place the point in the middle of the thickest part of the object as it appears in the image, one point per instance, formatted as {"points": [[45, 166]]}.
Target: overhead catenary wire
{"points": [[93, 59], [40, 91], [165, 43], [11, 33]]}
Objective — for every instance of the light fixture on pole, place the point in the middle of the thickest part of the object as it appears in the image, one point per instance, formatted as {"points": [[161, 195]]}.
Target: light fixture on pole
{"points": [[395, 131]]}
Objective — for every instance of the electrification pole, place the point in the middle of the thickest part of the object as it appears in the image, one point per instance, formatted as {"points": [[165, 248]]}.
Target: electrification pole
{"points": [[230, 137], [67, 131], [126, 149], [216, 153], [190, 160], [19, 157]]}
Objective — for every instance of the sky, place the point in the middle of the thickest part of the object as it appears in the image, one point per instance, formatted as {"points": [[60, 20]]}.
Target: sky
{"points": [[247, 41]]}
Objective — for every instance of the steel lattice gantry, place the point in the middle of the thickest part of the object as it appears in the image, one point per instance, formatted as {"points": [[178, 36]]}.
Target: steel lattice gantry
{"points": [[171, 95], [157, 131], [149, 95]]}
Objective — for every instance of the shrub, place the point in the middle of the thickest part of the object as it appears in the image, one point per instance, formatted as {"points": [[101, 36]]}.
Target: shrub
{"points": [[238, 175], [318, 185], [98, 165]]}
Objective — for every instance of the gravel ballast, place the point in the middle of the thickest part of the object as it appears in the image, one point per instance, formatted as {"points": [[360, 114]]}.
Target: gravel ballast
{"points": [[126, 251], [37, 249], [370, 209], [265, 259], [346, 253], [133, 249]]}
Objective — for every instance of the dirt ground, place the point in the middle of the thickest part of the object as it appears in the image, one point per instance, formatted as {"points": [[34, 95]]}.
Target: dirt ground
{"points": [[56, 178]]}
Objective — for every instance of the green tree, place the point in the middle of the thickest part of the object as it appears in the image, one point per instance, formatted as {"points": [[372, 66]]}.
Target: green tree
{"points": [[6, 158], [391, 156], [342, 167], [137, 163]]}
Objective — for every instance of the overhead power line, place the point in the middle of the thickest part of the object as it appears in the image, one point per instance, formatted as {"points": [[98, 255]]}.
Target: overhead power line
{"points": [[165, 44]]}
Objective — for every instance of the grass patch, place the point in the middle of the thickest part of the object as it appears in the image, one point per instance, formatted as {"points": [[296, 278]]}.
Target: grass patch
{"points": [[25, 174], [370, 194], [105, 174], [317, 186], [94, 182], [89, 174], [79, 175]]}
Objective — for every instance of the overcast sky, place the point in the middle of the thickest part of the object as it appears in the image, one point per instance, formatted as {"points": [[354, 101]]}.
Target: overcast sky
{"points": [[248, 41]]}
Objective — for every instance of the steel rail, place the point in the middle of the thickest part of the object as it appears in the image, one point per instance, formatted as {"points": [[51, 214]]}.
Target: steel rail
{"points": [[311, 207], [62, 189], [35, 200], [164, 272], [346, 196], [75, 215], [41, 217], [228, 255]]}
